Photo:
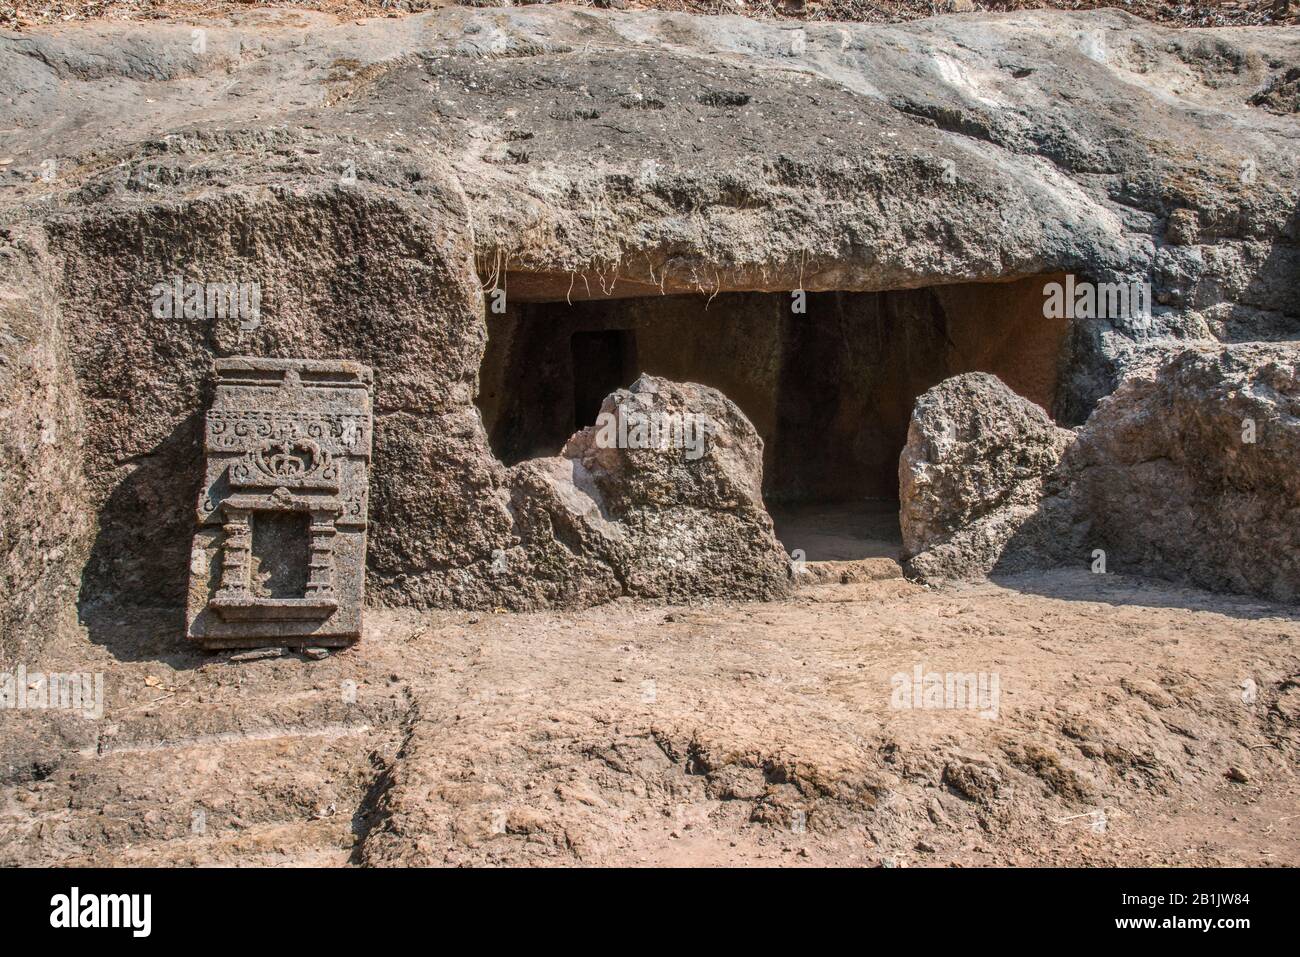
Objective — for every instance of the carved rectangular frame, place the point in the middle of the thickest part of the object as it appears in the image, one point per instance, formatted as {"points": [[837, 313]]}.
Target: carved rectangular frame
{"points": [[283, 435]]}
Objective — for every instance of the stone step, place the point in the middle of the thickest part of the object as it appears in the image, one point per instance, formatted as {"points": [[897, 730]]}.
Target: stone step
{"points": [[849, 572]]}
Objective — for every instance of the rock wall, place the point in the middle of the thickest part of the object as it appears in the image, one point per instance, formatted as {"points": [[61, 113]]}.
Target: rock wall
{"points": [[342, 274], [394, 288], [45, 512], [372, 178]]}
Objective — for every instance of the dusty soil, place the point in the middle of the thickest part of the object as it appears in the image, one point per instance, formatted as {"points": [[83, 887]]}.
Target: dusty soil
{"points": [[717, 734], [1205, 13], [839, 532]]}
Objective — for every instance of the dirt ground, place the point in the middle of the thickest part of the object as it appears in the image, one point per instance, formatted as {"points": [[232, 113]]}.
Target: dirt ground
{"points": [[1127, 731]]}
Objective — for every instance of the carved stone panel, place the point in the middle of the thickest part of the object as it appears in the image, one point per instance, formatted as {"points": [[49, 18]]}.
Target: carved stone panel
{"points": [[279, 555]]}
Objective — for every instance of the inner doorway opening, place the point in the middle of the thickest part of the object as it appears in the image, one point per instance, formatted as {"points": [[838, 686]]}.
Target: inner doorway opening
{"points": [[602, 360]]}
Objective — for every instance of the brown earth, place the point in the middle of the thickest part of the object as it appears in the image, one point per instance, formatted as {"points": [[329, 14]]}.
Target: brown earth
{"points": [[636, 733]]}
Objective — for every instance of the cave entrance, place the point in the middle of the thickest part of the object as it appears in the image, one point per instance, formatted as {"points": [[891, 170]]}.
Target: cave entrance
{"points": [[830, 390]]}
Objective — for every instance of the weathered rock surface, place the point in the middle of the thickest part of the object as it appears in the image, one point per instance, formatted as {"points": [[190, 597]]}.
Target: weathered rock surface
{"points": [[279, 554], [706, 454], [679, 513], [973, 473], [44, 511], [372, 177], [1190, 471]]}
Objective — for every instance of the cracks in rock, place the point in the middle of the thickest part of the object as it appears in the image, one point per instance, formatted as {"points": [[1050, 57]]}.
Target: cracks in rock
{"points": [[372, 810], [948, 119]]}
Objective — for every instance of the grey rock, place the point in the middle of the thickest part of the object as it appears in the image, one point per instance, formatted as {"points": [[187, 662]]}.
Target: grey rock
{"points": [[972, 474], [1187, 472], [674, 512], [1190, 471], [374, 177], [1182, 228], [259, 654]]}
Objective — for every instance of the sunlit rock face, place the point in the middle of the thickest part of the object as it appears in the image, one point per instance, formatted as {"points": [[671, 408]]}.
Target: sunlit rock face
{"points": [[374, 179]]}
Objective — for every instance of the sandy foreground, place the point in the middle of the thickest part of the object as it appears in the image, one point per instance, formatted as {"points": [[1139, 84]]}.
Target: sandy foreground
{"points": [[1136, 723]]}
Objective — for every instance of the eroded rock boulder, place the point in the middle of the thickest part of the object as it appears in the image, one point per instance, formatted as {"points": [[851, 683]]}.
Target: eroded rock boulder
{"points": [[1190, 470], [972, 475], [664, 491]]}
